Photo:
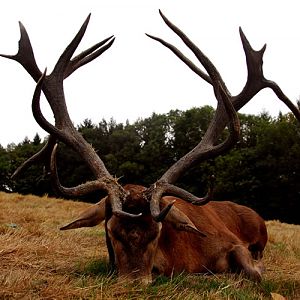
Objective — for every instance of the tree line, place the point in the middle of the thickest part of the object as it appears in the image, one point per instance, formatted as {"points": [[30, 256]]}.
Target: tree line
{"points": [[262, 171]]}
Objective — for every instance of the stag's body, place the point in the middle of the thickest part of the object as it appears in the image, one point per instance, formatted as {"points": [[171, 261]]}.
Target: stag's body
{"points": [[232, 236], [219, 250]]}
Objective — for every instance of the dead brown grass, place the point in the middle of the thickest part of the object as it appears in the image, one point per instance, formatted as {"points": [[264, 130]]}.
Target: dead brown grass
{"points": [[282, 256], [37, 261]]}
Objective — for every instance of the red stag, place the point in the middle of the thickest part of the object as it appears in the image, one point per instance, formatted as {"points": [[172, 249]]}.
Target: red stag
{"points": [[162, 228]]}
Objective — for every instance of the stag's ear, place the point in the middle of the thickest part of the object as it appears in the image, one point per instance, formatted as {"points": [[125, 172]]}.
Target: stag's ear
{"points": [[92, 216], [180, 220]]}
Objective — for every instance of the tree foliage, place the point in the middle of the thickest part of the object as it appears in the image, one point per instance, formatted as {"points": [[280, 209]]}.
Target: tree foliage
{"points": [[261, 171]]}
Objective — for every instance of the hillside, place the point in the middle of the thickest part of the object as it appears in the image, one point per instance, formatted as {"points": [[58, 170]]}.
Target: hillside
{"points": [[37, 261]]}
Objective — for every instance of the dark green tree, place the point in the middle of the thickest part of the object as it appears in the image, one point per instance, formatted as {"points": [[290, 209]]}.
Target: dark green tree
{"points": [[262, 171], [4, 170]]}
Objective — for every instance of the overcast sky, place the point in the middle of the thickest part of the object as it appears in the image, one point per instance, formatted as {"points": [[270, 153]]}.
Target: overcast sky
{"points": [[138, 76]]}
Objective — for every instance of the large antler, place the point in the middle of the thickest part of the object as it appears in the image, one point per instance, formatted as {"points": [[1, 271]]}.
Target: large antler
{"points": [[225, 114], [64, 130]]}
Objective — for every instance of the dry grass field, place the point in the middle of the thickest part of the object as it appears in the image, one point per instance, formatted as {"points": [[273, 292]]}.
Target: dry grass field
{"points": [[37, 261]]}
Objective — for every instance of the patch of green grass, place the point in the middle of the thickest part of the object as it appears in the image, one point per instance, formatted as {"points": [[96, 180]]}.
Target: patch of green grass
{"points": [[95, 267], [193, 287], [96, 276], [296, 252], [286, 288], [222, 287], [279, 246], [95, 232]]}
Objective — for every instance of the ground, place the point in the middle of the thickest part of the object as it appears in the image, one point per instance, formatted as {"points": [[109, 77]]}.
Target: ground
{"points": [[38, 261]]}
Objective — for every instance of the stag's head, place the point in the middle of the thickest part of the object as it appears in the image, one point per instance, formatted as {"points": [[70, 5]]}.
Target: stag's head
{"points": [[134, 241], [134, 214]]}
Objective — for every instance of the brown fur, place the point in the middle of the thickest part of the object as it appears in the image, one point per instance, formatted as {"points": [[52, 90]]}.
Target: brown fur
{"points": [[213, 238], [235, 235]]}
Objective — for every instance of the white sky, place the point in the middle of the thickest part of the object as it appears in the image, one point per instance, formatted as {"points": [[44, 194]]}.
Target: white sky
{"points": [[138, 76]]}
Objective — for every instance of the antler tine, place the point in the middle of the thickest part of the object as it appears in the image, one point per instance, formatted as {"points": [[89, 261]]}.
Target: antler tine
{"points": [[182, 57], [179, 192], [253, 57], [25, 55], [66, 66], [203, 59], [279, 93], [66, 56], [256, 80], [42, 155], [89, 55], [80, 190]]}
